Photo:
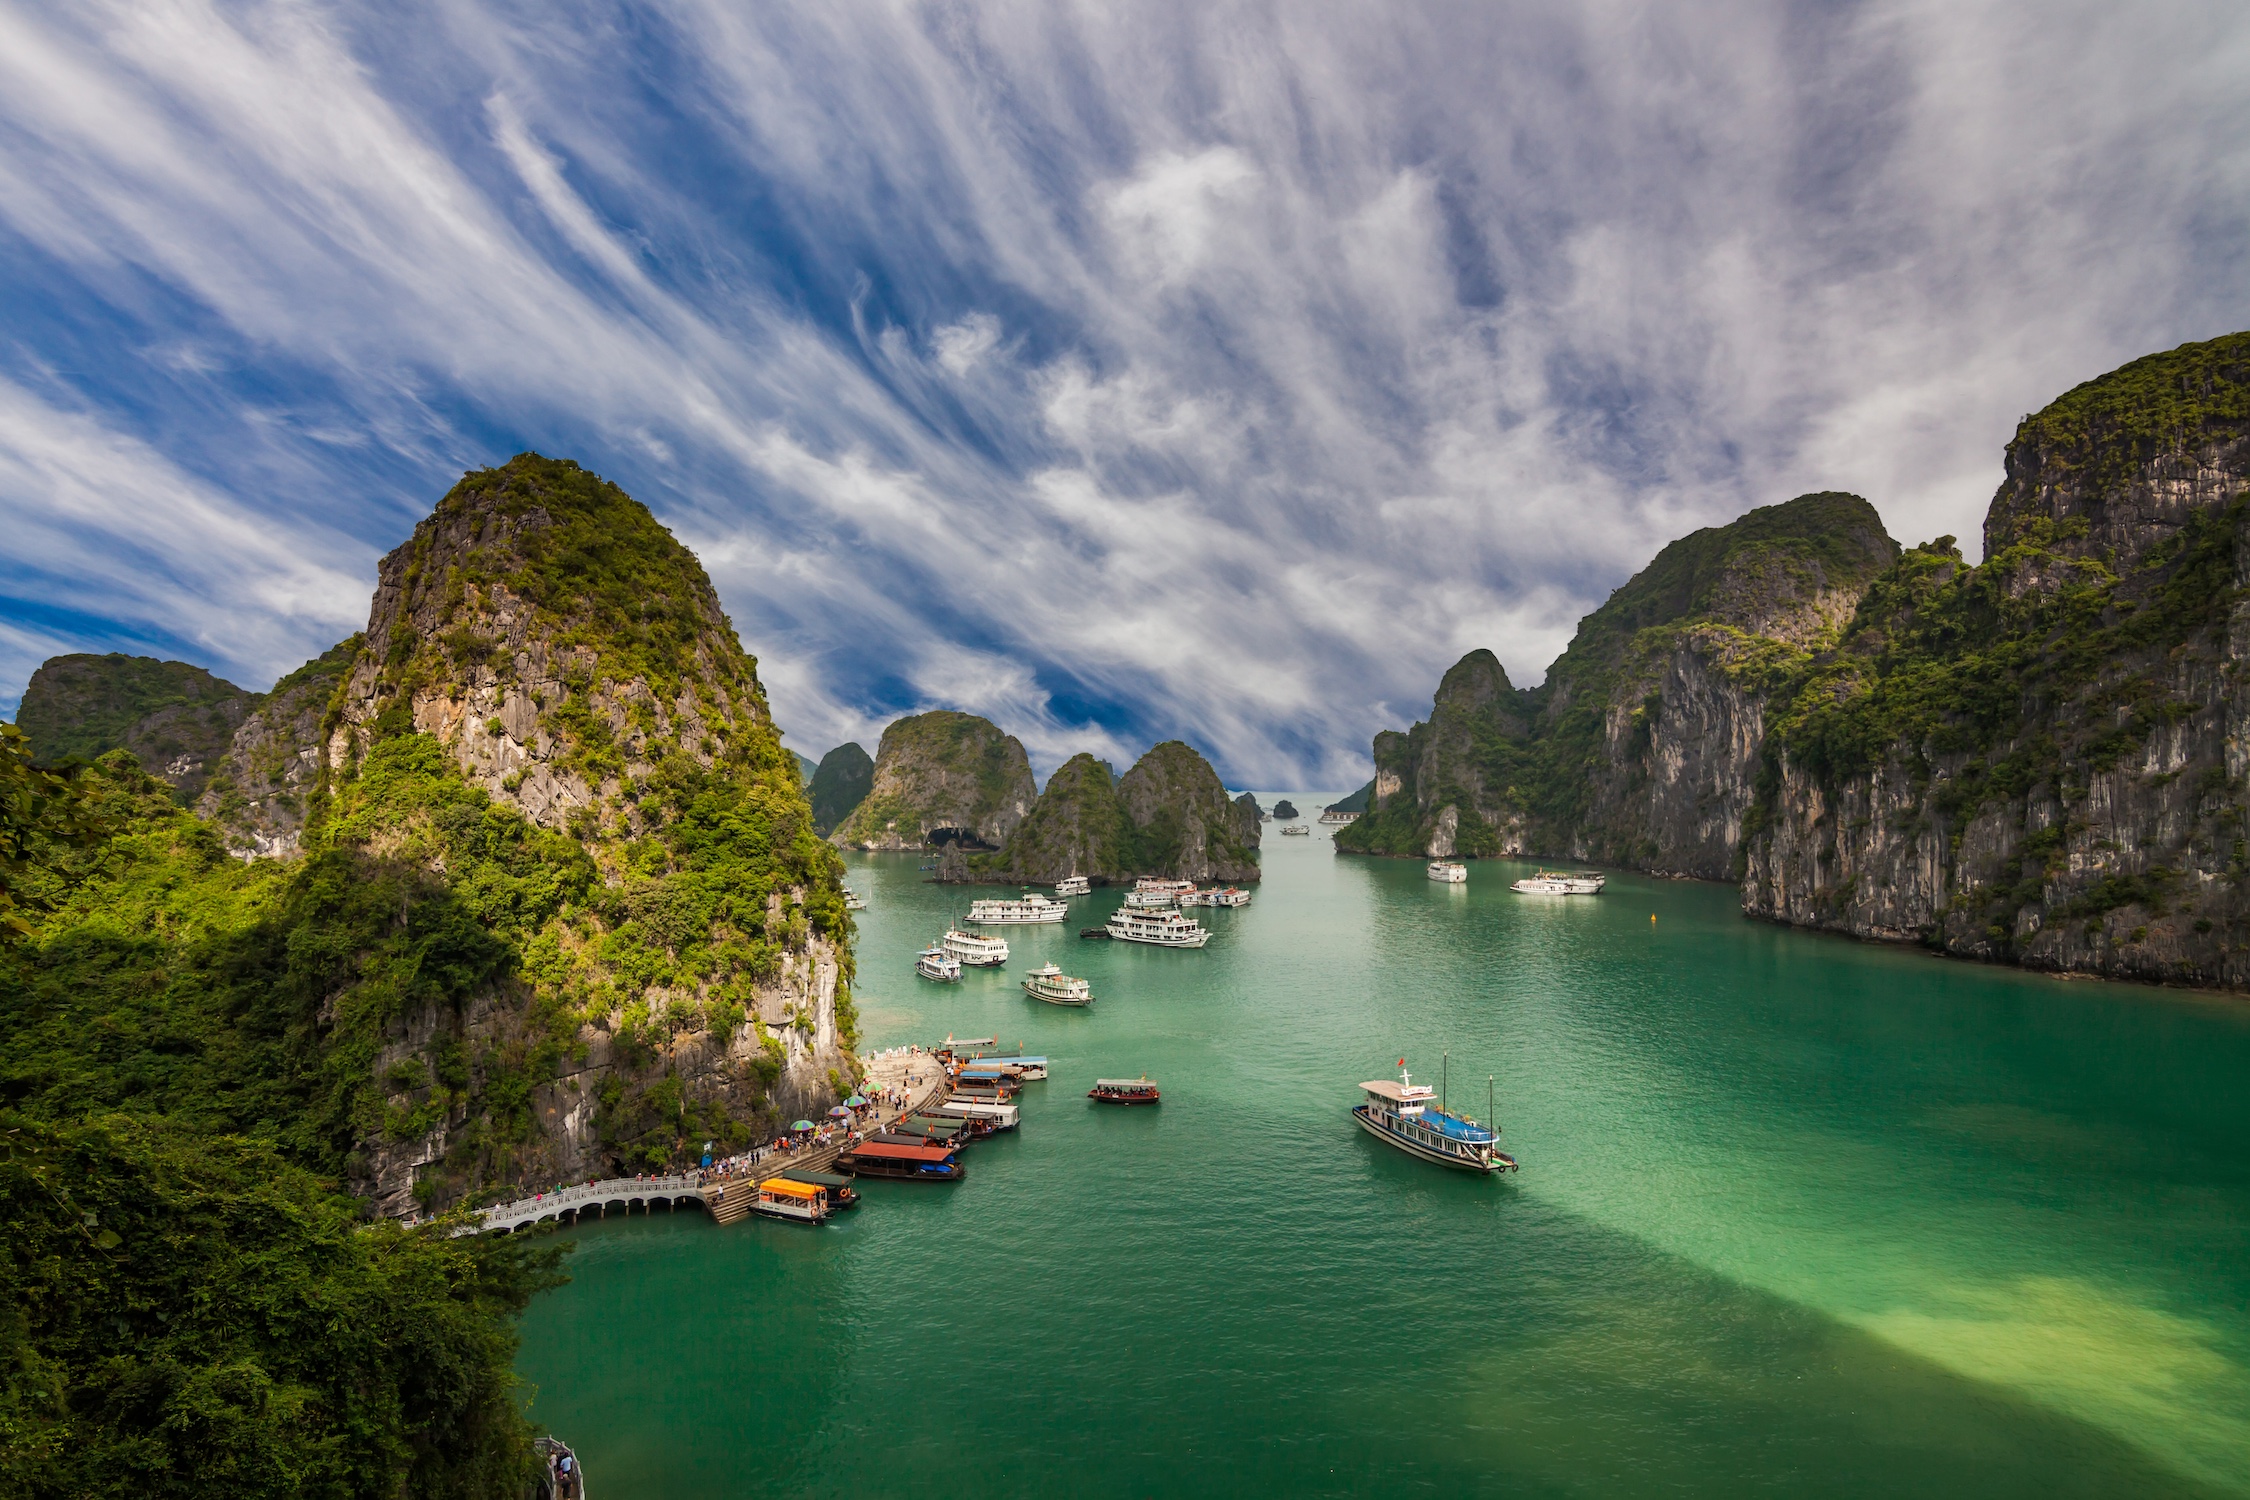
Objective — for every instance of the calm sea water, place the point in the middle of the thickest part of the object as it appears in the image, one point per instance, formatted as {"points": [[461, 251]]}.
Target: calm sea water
{"points": [[1796, 1215]]}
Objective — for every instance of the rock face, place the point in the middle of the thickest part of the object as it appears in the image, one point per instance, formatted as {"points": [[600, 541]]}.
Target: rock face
{"points": [[1448, 785], [1643, 746], [2045, 759], [176, 719], [261, 792], [842, 782], [1357, 802], [551, 750], [1285, 809], [942, 777], [1169, 816]]}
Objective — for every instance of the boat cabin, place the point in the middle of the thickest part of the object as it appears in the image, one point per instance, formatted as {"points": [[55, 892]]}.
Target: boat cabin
{"points": [[780, 1198], [1123, 1091]]}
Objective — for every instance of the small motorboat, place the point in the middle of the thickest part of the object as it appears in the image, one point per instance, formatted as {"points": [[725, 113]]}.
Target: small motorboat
{"points": [[1123, 1091], [935, 963]]}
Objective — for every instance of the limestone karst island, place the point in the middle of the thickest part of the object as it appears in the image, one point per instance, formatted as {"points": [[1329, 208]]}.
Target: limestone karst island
{"points": [[1222, 753]]}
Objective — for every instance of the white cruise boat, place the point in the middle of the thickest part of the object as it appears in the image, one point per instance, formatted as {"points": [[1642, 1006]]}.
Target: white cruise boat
{"points": [[1073, 885], [1295, 830], [1586, 882], [1157, 885], [1542, 884], [1052, 985], [1405, 1114], [935, 963], [853, 900], [1151, 900], [1031, 907], [1166, 929], [1215, 896], [975, 948], [1449, 872]]}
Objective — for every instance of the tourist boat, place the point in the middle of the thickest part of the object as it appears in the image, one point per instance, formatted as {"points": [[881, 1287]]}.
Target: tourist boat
{"points": [[1404, 1115], [1166, 929], [1544, 884], [1295, 830], [937, 1132], [853, 900], [782, 1198], [1333, 816], [1073, 885], [1586, 882], [1051, 984], [913, 1160], [1449, 872], [840, 1194], [1231, 896], [982, 1093], [935, 963], [1123, 1091], [1158, 886], [1150, 900], [1033, 907], [1002, 1116], [1007, 1081], [1032, 1069], [975, 948]]}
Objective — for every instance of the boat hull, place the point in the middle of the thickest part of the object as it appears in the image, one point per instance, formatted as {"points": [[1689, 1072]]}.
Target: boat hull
{"points": [[903, 1171], [1501, 1161], [1076, 1002]]}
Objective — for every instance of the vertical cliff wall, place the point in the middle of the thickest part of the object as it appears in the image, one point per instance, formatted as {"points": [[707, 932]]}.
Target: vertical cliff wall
{"points": [[942, 777], [2042, 759]]}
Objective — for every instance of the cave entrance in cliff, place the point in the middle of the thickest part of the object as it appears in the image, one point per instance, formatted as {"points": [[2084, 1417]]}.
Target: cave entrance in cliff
{"points": [[961, 838]]}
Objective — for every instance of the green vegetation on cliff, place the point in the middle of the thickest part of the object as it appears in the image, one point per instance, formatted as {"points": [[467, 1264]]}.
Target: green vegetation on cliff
{"points": [[1495, 768], [1168, 816], [841, 783], [942, 770], [165, 712], [233, 1044]]}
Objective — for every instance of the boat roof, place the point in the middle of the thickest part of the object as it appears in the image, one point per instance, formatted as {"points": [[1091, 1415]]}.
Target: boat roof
{"points": [[1391, 1089], [900, 1151], [788, 1189], [1021, 1062], [825, 1179], [1124, 1083]]}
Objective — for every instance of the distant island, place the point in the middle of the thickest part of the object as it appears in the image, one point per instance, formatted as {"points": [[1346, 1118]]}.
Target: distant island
{"points": [[2031, 760]]}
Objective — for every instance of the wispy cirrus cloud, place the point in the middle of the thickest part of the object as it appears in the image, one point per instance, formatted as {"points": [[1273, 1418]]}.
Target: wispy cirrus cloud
{"points": [[1121, 372]]}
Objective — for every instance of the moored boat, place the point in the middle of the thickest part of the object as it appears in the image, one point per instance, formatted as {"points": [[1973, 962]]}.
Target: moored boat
{"points": [[1151, 900], [975, 948], [840, 1193], [853, 900], [1404, 1114], [1449, 871], [935, 963], [1031, 907], [1073, 885], [784, 1198], [1165, 929], [1032, 1069], [1123, 1091], [1233, 895], [911, 1159], [1051, 984], [1002, 1116], [1541, 884]]}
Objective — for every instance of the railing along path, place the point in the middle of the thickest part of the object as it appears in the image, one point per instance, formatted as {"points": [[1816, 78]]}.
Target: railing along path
{"points": [[728, 1197]]}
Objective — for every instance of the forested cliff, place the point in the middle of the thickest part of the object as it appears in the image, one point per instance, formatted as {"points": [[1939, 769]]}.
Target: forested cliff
{"points": [[2039, 759]]}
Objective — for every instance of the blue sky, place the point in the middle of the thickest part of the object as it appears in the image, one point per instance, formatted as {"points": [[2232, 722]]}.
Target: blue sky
{"points": [[1118, 372]]}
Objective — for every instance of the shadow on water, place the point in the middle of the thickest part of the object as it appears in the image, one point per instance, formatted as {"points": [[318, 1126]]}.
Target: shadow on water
{"points": [[1797, 1216]]}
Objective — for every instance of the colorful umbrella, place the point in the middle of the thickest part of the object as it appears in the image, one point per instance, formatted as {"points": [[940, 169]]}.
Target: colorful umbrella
{"points": [[856, 1102], [802, 1125]]}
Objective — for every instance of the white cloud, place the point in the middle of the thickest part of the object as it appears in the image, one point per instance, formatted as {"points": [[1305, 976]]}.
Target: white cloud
{"points": [[1239, 368]]}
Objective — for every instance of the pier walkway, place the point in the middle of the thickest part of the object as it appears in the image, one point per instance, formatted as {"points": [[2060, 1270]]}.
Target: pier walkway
{"points": [[727, 1196]]}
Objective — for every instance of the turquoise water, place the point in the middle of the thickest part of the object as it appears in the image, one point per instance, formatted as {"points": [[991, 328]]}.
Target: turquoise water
{"points": [[1796, 1215]]}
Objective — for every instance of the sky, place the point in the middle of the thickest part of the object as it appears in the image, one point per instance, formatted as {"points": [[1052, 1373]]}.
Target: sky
{"points": [[1119, 372]]}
